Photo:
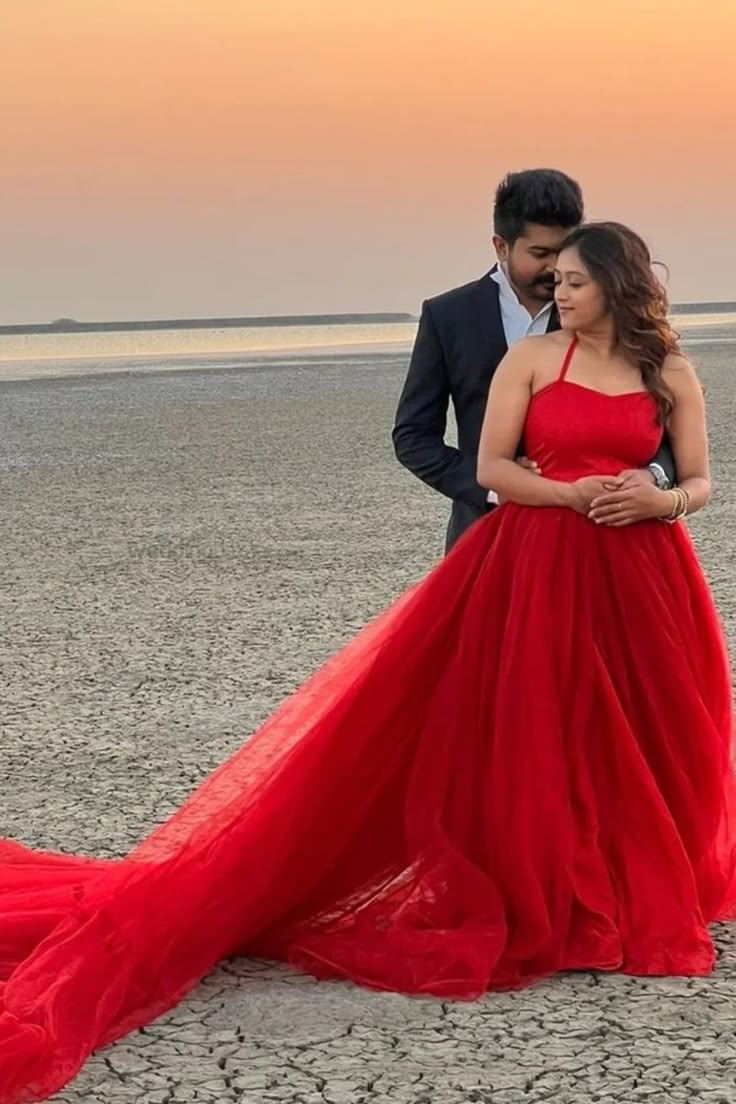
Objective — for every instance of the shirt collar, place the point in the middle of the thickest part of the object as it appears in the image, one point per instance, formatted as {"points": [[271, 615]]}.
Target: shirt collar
{"points": [[498, 275]]}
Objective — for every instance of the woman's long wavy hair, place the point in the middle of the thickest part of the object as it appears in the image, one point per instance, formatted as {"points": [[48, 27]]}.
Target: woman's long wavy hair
{"points": [[619, 261]]}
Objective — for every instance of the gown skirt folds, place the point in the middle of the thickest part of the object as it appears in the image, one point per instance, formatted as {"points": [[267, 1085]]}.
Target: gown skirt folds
{"points": [[523, 766]]}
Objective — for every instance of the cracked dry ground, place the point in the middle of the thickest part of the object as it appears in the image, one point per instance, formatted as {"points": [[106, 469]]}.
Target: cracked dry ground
{"points": [[179, 552]]}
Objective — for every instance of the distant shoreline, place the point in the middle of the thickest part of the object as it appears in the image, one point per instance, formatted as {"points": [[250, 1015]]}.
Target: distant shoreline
{"points": [[71, 325]]}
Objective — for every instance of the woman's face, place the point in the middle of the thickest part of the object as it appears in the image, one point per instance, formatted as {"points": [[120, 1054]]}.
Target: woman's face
{"points": [[579, 298]]}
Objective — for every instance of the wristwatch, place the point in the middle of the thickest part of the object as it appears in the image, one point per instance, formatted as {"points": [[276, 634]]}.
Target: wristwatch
{"points": [[661, 478]]}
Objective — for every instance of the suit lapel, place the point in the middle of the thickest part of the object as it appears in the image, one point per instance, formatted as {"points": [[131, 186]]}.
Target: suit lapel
{"points": [[489, 316], [554, 320], [491, 323]]}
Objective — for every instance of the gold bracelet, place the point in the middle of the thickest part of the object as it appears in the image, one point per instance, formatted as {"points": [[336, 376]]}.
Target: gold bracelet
{"points": [[679, 502], [672, 492], [680, 505]]}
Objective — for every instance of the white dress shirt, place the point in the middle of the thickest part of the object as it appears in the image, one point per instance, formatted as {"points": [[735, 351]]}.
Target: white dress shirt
{"points": [[516, 319], [517, 322]]}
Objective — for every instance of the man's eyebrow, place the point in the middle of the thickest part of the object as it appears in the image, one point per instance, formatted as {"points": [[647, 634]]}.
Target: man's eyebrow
{"points": [[542, 249]]}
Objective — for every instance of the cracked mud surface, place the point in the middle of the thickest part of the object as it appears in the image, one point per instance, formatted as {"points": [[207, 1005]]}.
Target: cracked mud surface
{"points": [[179, 552]]}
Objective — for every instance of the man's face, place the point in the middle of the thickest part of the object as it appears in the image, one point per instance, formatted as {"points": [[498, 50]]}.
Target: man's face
{"points": [[530, 261]]}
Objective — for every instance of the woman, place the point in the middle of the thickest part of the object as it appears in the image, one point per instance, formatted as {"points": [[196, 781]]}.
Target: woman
{"points": [[523, 766]]}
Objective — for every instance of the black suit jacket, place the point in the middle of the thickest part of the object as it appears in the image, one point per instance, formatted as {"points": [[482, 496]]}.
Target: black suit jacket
{"points": [[459, 344]]}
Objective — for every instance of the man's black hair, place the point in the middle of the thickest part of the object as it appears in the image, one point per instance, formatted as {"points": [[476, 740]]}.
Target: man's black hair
{"points": [[545, 196]]}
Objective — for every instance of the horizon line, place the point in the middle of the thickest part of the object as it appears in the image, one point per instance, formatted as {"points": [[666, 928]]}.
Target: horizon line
{"points": [[73, 325]]}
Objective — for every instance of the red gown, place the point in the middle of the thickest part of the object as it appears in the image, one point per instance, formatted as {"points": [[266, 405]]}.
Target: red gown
{"points": [[523, 766]]}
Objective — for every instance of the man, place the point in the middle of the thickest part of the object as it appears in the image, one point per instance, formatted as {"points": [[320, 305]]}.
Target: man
{"points": [[464, 333]]}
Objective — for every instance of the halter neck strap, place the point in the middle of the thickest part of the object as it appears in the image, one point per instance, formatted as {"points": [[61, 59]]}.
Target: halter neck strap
{"points": [[568, 356]]}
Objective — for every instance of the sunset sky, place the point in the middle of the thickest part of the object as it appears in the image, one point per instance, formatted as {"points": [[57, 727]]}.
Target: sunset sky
{"points": [[167, 158]]}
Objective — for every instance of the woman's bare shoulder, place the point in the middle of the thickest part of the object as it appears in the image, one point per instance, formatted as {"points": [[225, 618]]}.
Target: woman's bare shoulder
{"points": [[532, 362], [543, 347], [679, 373]]}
